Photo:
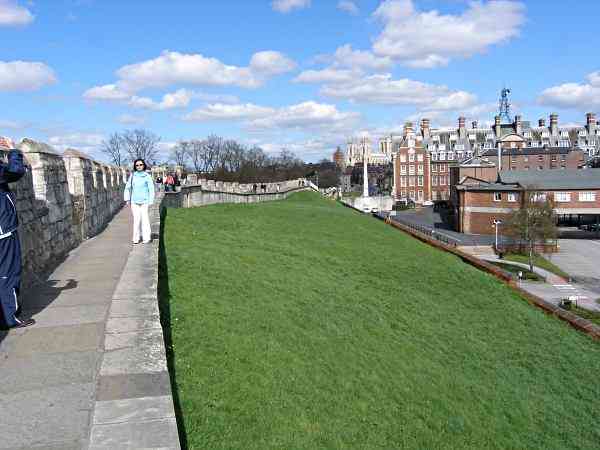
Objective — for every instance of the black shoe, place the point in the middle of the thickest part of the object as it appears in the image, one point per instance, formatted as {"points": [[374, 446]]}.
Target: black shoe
{"points": [[24, 323]]}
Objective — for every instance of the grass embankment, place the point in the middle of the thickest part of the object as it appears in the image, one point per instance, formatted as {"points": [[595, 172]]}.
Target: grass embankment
{"points": [[538, 261], [302, 324]]}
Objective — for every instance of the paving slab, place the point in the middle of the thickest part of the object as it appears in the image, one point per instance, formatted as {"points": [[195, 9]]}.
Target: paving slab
{"points": [[134, 352], [134, 409], [123, 386], [160, 433], [46, 416]]}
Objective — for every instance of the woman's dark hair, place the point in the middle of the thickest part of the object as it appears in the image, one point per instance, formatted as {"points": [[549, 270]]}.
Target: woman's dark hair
{"points": [[138, 160]]}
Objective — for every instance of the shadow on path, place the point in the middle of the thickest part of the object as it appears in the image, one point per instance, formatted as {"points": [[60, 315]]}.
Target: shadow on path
{"points": [[164, 304], [38, 296]]}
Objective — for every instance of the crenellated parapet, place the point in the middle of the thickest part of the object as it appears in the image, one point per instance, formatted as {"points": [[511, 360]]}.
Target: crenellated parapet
{"points": [[61, 201]]}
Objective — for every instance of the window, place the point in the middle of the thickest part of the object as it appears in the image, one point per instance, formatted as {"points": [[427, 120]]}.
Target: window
{"points": [[442, 155], [487, 145], [411, 157], [582, 133], [420, 180], [420, 157], [420, 169], [563, 143], [411, 181], [564, 133], [442, 147], [411, 142], [450, 155], [527, 134], [541, 158], [402, 157], [489, 137], [472, 137], [534, 144], [434, 156], [562, 196], [420, 195], [434, 167], [434, 180], [402, 181], [403, 169], [435, 138], [453, 137], [538, 197], [431, 147], [411, 170], [459, 147], [497, 196], [512, 197], [587, 196], [545, 133]]}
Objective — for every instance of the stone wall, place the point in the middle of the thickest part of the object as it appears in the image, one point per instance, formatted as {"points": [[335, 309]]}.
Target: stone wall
{"points": [[209, 192], [62, 200]]}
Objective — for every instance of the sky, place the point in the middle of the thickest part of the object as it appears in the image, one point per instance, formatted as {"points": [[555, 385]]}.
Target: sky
{"points": [[302, 75]]}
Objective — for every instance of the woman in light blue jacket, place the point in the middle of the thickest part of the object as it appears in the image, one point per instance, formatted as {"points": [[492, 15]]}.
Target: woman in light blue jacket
{"points": [[139, 193]]}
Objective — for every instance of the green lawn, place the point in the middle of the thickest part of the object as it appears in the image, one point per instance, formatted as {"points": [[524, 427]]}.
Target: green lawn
{"points": [[302, 324], [538, 261]]}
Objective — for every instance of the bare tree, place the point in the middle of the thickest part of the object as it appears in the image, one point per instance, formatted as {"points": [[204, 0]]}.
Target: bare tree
{"points": [[534, 221], [114, 148], [180, 153], [142, 144]]}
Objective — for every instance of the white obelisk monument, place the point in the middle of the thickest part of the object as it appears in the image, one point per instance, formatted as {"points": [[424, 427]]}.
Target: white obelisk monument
{"points": [[365, 170]]}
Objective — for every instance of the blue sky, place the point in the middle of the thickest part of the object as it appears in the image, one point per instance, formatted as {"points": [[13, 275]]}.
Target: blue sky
{"points": [[298, 74]]}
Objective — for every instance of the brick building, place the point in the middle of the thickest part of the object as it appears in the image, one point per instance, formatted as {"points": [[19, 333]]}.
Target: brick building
{"points": [[411, 168], [480, 202]]}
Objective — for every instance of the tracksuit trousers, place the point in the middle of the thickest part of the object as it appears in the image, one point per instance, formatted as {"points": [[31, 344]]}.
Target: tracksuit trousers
{"points": [[10, 278]]}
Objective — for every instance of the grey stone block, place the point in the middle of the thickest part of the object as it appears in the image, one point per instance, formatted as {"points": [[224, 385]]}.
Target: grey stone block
{"points": [[70, 315], [134, 308], [135, 352], [161, 433], [133, 410], [127, 324], [115, 387]]}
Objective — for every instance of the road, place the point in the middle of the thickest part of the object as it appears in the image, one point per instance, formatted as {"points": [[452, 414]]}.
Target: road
{"points": [[580, 258]]}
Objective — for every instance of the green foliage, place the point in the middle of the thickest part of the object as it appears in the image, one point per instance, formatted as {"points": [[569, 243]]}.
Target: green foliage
{"points": [[302, 324]]}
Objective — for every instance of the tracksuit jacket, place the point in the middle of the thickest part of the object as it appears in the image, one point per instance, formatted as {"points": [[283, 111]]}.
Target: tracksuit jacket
{"points": [[10, 247]]}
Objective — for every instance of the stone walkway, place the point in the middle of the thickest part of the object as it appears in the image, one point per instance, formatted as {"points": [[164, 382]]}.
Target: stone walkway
{"points": [[91, 373]]}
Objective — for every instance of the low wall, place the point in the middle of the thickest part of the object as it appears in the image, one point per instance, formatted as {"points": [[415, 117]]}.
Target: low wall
{"points": [[210, 192], [61, 201]]}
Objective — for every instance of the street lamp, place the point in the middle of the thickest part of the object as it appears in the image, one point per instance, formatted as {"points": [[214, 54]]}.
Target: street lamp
{"points": [[497, 224]]}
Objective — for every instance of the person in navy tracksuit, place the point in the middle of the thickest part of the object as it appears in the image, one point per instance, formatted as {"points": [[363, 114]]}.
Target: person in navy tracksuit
{"points": [[10, 247]]}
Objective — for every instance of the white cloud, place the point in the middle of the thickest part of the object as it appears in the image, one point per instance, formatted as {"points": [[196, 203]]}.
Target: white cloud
{"points": [[303, 116], [271, 63], [16, 76], [329, 75], [220, 111], [285, 6], [348, 6], [85, 142], [106, 92], [128, 119], [11, 14], [174, 68], [582, 96], [345, 56], [382, 89], [306, 116], [430, 39]]}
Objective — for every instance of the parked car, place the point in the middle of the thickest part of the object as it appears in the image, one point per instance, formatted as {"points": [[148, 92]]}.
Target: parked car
{"points": [[590, 227]]}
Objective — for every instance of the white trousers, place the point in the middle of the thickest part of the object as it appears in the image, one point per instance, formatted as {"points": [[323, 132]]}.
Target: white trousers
{"points": [[140, 217]]}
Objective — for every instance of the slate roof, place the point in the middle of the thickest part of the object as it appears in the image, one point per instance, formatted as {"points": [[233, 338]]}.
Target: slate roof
{"points": [[553, 179], [530, 151]]}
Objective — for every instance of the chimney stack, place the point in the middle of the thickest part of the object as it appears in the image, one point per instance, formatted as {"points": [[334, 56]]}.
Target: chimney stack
{"points": [[591, 123], [497, 122], [425, 128], [462, 132], [408, 128], [518, 125], [554, 124], [542, 123]]}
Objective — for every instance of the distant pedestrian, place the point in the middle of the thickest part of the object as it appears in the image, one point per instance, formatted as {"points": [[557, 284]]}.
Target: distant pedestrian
{"points": [[254, 188], [139, 193], [169, 183], [10, 246]]}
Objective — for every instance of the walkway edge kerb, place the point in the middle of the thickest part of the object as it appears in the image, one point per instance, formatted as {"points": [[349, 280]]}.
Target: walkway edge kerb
{"points": [[134, 405], [572, 319]]}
